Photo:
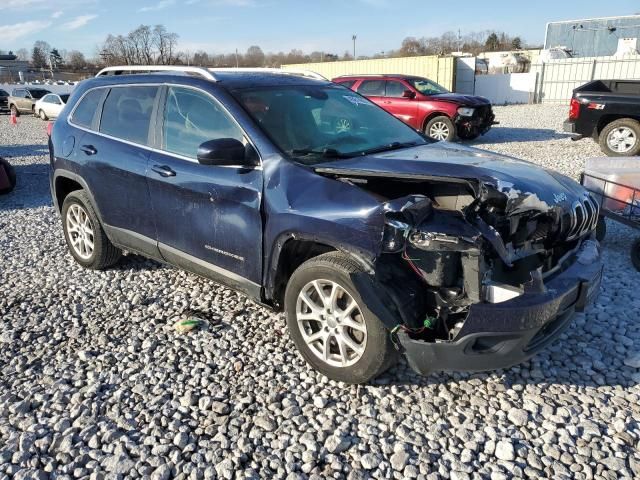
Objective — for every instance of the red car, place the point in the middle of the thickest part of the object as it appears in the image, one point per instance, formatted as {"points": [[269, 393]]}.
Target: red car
{"points": [[425, 105]]}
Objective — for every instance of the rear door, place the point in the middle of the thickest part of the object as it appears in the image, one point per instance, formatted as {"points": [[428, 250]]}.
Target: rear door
{"points": [[373, 90], [406, 109], [208, 217], [114, 153]]}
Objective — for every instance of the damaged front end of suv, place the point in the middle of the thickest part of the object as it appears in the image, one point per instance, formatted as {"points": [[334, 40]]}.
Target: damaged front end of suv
{"points": [[480, 266]]}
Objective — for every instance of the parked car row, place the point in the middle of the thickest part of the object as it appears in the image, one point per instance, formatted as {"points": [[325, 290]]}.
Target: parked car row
{"points": [[374, 239], [36, 101]]}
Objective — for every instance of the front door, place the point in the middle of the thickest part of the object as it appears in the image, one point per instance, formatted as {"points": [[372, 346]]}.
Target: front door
{"points": [[208, 217], [406, 109]]}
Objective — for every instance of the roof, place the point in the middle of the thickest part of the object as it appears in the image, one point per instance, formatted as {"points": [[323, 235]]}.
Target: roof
{"points": [[231, 78], [381, 75]]}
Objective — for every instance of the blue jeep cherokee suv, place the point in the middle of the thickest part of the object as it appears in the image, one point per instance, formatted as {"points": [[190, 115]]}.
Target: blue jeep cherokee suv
{"points": [[307, 197]]}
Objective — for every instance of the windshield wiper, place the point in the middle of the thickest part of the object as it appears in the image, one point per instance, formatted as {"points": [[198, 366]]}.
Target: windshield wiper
{"points": [[326, 152], [386, 148]]}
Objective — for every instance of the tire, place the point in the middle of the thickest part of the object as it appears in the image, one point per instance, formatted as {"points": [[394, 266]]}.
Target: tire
{"points": [[376, 352], [42, 115], [33, 111], [14, 111], [601, 229], [635, 254], [440, 128], [104, 254], [621, 138], [11, 175]]}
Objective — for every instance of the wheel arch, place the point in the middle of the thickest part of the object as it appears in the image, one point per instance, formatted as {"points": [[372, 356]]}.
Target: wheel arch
{"points": [[607, 119], [292, 250], [433, 115], [65, 182]]}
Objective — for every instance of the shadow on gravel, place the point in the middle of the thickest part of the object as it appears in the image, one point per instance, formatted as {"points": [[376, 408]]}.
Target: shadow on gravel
{"points": [[9, 151], [511, 135], [32, 188], [133, 261]]}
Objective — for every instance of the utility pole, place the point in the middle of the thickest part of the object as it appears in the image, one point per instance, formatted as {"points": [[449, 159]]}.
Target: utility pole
{"points": [[353, 37], [237, 64]]}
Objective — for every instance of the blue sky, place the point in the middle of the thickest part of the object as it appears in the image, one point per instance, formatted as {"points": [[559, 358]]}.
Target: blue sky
{"points": [[279, 25]]}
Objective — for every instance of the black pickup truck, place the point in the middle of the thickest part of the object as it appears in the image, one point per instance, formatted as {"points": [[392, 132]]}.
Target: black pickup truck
{"points": [[609, 112]]}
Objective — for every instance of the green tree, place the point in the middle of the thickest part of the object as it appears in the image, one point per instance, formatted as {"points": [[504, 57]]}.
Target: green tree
{"points": [[492, 43], [516, 43], [56, 58], [38, 58]]}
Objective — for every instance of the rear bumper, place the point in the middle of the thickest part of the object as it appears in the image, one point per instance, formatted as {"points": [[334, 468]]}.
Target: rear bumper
{"points": [[504, 334], [569, 126]]}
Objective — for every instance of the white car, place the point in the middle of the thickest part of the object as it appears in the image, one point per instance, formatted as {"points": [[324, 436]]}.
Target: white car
{"points": [[50, 105]]}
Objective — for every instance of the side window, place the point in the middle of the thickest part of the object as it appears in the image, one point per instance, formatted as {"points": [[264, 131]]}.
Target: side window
{"points": [[347, 83], [85, 110], [191, 118], [395, 89], [372, 88], [48, 99], [127, 113]]}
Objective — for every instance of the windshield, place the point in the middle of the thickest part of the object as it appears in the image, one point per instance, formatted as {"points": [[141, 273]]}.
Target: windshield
{"points": [[3, 93], [37, 93], [316, 123], [426, 86]]}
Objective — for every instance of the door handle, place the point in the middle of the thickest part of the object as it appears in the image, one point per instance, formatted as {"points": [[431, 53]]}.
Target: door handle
{"points": [[163, 170], [89, 149]]}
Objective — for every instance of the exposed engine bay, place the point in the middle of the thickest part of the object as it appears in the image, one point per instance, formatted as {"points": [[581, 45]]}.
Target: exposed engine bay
{"points": [[449, 244]]}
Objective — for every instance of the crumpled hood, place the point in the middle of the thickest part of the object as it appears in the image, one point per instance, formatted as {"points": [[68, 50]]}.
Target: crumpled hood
{"points": [[463, 100], [444, 160]]}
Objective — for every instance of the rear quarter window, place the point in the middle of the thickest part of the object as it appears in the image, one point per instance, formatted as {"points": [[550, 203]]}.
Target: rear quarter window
{"points": [[86, 108], [127, 113]]}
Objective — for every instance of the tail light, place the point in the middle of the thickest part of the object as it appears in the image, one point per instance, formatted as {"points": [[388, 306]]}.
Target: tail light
{"points": [[49, 128], [574, 109]]}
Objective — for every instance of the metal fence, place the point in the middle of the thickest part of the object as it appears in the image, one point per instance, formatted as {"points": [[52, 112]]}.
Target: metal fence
{"points": [[439, 69], [556, 79]]}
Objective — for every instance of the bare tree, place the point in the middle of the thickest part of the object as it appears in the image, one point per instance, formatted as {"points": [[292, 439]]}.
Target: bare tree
{"points": [[254, 57], [76, 60], [165, 43]]}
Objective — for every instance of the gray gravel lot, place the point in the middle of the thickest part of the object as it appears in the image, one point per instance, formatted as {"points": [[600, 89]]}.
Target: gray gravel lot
{"points": [[95, 383]]}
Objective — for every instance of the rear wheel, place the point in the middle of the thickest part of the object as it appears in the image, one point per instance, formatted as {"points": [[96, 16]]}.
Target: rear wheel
{"points": [[43, 115], [84, 234], [621, 138], [635, 254], [441, 128], [330, 323]]}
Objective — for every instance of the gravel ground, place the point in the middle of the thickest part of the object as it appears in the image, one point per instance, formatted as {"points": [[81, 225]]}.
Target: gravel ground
{"points": [[95, 383]]}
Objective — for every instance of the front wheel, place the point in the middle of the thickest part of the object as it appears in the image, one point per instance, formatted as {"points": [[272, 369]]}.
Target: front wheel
{"points": [[43, 116], [621, 138], [84, 234], [330, 323], [441, 128]]}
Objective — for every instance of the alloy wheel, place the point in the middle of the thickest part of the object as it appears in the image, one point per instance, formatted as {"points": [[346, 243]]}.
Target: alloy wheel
{"points": [[331, 323], [439, 131], [621, 139], [80, 231]]}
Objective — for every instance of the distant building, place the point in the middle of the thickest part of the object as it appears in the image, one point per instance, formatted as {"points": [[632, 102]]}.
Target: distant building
{"points": [[10, 66], [593, 37]]}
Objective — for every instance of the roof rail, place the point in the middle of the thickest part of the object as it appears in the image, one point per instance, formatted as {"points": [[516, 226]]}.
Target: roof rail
{"points": [[124, 69], [281, 71]]}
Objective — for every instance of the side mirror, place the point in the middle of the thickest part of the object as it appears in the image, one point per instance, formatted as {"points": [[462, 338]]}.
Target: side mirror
{"points": [[408, 94], [227, 151]]}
